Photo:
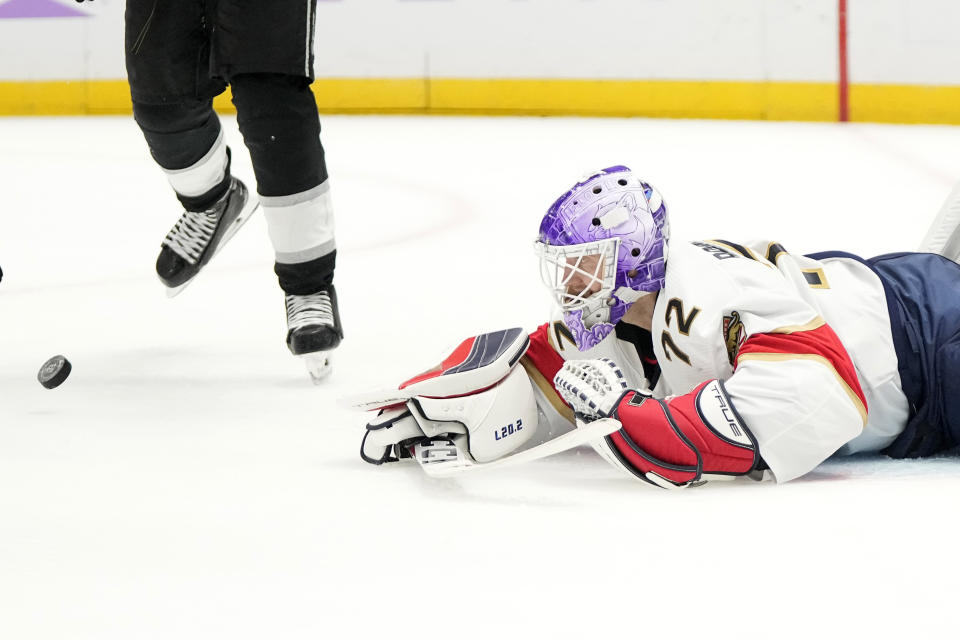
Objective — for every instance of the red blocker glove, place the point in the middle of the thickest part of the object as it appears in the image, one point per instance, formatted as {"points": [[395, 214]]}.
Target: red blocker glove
{"points": [[684, 441]]}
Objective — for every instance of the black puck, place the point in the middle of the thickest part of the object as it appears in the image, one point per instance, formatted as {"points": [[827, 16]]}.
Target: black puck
{"points": [[54, 371]]}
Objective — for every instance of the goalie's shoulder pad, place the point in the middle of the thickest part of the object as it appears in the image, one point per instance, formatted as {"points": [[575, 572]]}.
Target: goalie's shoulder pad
{"points": [[476, 364]]}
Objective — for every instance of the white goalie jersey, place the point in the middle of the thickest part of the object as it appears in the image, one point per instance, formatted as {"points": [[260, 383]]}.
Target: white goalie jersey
{"points": [[803, 347]]}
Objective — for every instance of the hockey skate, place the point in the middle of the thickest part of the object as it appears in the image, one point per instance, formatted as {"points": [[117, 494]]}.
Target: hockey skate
{"points": [[313, 329], [200, 235]]}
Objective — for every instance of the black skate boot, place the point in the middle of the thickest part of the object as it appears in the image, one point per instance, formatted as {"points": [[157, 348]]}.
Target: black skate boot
{"points": [[199, 235], [313, 329]]}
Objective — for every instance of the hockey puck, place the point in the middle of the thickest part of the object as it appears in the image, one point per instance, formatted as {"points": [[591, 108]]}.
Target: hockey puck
{"points": [[54, 371]]}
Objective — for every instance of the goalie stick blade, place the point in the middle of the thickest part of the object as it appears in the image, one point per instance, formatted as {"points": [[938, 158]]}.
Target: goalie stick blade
{"points": [[376, 399], [583, 434]]}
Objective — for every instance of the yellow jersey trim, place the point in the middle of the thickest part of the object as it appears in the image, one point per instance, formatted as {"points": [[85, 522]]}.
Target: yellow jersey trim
{"points": [[741, 250], [547, 389], [816, 323], [821, 283]]}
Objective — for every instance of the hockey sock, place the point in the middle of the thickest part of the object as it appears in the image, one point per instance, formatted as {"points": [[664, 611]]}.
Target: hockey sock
{"points": [[304, 278], [301, 230], [278, 118], [187, 142]]}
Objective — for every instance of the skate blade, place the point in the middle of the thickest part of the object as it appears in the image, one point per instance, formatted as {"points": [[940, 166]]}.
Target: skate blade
{"points": [[318, 365], [238, 222], [173, 291]]}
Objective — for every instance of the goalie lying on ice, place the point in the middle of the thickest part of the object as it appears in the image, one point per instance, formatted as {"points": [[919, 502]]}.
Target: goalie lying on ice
{"points": [[682, 362]]}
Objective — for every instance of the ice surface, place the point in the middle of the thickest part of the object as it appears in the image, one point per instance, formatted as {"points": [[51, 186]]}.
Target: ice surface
{"points": [[188, 481]]}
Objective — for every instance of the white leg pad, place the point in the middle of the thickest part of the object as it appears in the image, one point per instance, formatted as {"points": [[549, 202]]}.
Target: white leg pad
{"points": [[943, 237]]}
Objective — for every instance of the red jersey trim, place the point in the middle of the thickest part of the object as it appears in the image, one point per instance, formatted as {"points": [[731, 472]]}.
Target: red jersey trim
{"points": [[542, 354], [819, 345], [541, 362]]}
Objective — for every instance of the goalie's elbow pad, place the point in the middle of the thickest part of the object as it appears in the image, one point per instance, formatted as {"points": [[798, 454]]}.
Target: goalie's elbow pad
{"points": [[686, 440]]}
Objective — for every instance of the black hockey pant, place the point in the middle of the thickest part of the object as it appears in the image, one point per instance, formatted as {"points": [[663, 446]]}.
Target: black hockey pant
{"points": [[182, 53]]}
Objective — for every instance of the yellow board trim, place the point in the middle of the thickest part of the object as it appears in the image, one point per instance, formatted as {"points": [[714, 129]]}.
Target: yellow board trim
{"points": [[647, 98], [905, 104], [780, 357], [760, 100]]}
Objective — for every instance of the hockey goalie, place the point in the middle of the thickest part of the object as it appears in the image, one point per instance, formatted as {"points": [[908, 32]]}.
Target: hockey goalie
{"points": [[688, 362]]}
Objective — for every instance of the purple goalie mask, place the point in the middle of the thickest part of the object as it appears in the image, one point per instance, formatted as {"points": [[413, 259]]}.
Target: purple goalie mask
{"points": [[603, 245]]}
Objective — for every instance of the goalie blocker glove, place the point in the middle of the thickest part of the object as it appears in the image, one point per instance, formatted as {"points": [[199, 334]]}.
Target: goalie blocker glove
{"points": [[682, 441]]}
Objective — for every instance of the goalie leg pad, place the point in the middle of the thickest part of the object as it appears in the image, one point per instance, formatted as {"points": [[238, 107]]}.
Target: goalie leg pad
{"points": [[943, 236]]}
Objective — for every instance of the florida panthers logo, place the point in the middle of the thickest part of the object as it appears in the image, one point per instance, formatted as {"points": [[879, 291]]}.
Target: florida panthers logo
{"points": [[734, 334]]}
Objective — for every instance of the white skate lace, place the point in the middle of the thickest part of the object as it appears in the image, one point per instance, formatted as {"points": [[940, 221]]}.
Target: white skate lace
{"points": [[191, 235], [309, 310]]}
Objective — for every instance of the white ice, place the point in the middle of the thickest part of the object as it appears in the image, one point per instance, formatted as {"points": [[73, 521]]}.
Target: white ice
{"points": [[187, 480]]}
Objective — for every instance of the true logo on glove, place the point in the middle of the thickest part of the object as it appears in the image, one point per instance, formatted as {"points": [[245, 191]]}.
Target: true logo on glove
{"points": [[508, 430], [715, 410]]}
